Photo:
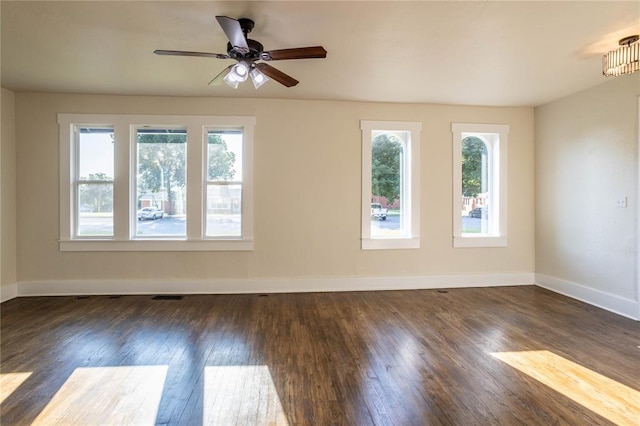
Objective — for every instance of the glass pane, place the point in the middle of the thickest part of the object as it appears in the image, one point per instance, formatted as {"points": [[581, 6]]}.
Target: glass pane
{"points": [[224, 210], [95, 153], [95, 212], [475, 186], [224, 156], [387, 176], [161, 182]]}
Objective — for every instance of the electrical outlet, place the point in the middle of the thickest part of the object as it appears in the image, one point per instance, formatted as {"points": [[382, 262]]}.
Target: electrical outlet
{"points": [[621, 202]]}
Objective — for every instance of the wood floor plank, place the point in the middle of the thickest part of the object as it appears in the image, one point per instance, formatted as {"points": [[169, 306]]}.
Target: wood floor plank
{"points": [[366, 358]]}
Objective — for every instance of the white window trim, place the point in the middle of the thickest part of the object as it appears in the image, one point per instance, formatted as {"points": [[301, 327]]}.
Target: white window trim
{"points": [[124, 126], [246, 153], [75, 146], [497, 148], [412, 185]]}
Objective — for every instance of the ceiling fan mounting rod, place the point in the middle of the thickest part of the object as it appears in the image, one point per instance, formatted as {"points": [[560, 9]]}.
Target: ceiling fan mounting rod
{"points": [[247, 25]]}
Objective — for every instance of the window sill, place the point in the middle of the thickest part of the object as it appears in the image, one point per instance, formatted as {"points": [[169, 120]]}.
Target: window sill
{"points": [[156, 245], [479, 241], [390, 243]]}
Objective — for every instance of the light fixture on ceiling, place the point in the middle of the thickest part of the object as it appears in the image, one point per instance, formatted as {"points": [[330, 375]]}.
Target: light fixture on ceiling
{"points": [[241, 71], [624, 60], [237, 74], [258, 78]]}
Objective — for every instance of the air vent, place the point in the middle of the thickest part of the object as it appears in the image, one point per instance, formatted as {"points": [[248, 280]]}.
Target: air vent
{"points": [[168, 297]]}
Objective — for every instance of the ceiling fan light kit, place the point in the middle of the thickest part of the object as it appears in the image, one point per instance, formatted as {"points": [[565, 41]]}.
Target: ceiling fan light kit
{"points": [[258, 78], [237, 74], [624, 60], [231, 80], [248, 52]]}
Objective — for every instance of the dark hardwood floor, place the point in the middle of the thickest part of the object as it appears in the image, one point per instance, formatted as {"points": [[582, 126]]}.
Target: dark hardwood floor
{"points": [[509, 355]]}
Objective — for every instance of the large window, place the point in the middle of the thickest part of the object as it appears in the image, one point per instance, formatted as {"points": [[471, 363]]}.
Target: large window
{"points": [[131, 182], [390, 184], [480, 185]]}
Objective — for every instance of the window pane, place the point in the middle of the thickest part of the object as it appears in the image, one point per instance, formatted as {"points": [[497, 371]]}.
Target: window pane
{"points": [[95, 153], [224, 156], [387, 179], [95, 212], [224, 201], [161, 182], [475, 186], [224, 210], [94, 202]]}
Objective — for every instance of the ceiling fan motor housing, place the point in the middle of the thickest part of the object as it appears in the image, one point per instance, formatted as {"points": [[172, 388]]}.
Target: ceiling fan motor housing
{"points": [[255, 49]]}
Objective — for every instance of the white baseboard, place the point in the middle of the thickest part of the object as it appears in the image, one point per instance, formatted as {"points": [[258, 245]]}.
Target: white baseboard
{"points": [[610, 302], [287, 285], [625, 307], [8, 292]]}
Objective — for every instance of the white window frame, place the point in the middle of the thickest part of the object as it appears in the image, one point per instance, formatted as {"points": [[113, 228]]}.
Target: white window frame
{"points": [[75, 177], [207, 182], [124, 214], [133, 201], [410, 190], [495, 137]]}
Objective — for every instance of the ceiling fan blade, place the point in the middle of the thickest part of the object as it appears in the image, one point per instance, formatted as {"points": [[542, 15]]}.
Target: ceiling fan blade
{"points": [[233, 31], [297, 53], [277, 75], [184, 53], [218, 79]]}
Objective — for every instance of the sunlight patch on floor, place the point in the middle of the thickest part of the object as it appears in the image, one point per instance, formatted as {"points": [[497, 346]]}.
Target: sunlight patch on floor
{"points": [[9, 382], [127, 395], [605, 397], [241, 395]]}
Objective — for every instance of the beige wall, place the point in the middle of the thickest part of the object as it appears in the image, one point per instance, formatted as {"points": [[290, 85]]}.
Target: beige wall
{"points": [[587, 159], [307, 193], [8, 189]]}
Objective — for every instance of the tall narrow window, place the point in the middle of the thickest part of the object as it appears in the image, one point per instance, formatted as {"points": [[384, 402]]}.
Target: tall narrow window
{"points": [[480, 206], [224, 183], [476, 184], [94, 184], [388, 192], [390, 185], [161, 182]]}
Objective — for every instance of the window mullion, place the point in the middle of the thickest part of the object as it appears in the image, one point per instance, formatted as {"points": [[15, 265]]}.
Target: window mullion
{"points": [[121, 186], [196, 136], [224, 182], [94, 182]]}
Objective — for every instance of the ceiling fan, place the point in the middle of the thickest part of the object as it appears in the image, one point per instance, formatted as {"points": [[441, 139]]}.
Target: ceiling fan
{"points": [[248, 52]]}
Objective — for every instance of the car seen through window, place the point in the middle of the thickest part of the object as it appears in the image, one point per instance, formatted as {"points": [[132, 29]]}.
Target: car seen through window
{"points": [[150, 213]]}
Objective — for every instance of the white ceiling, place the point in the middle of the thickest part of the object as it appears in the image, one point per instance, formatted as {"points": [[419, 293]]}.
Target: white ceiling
{"points": [[474, 53]]}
